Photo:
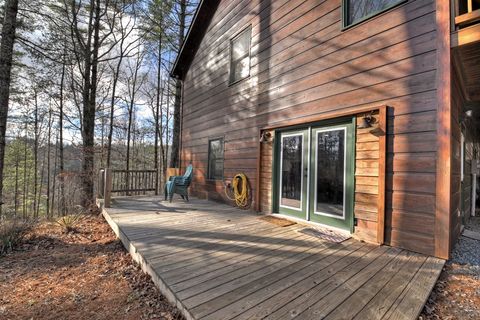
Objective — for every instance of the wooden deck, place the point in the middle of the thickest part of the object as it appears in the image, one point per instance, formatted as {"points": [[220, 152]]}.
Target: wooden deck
{"points": [[217, 262]]}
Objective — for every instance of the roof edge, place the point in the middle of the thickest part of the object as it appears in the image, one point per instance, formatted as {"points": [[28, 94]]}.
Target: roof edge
{"points": [[200, 22]]}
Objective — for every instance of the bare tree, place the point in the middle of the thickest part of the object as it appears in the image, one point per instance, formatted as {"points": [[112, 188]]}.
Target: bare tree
{"points": [[6, 57], [124, 50], [91, 26], [174, 160], [133, 86]]}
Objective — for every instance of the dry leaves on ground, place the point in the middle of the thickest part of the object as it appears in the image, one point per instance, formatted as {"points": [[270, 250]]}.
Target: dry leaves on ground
{"points": [[82, 275]]}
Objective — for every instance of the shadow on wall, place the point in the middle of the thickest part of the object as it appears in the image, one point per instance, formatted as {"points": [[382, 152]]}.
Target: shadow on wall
{"points": [[304, 64]]}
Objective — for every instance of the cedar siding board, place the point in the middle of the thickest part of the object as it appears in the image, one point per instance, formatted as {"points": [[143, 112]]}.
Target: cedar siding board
{"points": [[304, 65], [266, 164], [443, 221]]}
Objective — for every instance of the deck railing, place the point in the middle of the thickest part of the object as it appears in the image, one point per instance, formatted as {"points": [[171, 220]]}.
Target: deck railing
{"points": [[466, 13], [133, 181], [126, 182]]}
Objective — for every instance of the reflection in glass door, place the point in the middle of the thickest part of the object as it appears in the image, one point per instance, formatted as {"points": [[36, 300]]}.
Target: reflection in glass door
{"points": [[314, 174], [292, 165], [330, 173], [331, 176]]}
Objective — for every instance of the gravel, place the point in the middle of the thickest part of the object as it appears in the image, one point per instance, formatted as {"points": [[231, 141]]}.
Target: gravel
{"points": [[473, 224], [467, 251]]}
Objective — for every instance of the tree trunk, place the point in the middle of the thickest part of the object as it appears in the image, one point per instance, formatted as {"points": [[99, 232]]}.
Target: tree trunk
{"points": [[174, 160], [102, 140], [6, 55], [35, 157], [42, 171], [60, 142], [49, 135], [167, 138], [112, 110], [158, 116], [116, 72], [161, 130], [54, 175], [89, 103], [130, 118], [25, 166], [17, 166], [175, 157]]}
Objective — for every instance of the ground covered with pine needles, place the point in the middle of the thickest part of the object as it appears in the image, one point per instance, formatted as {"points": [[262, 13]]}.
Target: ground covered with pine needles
{"points": [[85, 274], [457, 292]]}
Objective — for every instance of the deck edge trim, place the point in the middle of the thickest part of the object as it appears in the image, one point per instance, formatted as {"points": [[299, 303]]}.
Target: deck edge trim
{"points": [[145, 266]]}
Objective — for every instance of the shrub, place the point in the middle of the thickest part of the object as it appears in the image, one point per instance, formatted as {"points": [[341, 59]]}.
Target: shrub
{"points": [[69, 222], [12, 232]]}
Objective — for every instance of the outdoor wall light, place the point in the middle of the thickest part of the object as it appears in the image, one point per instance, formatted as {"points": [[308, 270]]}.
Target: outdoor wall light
{"points": [[464, 118], [265, 136], [366, 121]]}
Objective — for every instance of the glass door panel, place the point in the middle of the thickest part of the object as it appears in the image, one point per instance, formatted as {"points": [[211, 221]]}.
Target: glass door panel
{"points": [[292, 177], [330, 168], [332, 176]]}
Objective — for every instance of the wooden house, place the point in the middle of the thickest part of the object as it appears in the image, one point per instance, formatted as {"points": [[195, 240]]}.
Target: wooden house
{"points": [[358, 115]]}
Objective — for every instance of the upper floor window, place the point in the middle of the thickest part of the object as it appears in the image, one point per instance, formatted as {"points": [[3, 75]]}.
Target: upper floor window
{"points": [[359, 10], [215, 159], [240, 56]]}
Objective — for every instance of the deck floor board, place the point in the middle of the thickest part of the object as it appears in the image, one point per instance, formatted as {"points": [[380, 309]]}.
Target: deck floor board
{"points": [[217, 262]]}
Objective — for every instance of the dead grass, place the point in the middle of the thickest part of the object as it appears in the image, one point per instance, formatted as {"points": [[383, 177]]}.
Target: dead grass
{"points": [[11, 234], [456, 295], [82, 275]]}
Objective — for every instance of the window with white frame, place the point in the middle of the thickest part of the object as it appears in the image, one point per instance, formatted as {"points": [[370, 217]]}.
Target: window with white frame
{"points": [[240, 56]]}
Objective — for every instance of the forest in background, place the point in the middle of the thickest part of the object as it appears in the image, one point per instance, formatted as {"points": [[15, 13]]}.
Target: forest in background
{"points": [[86, 85]]}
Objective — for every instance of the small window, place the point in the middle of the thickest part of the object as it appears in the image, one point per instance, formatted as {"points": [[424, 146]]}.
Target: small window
{"points": [[359, 10], [215, 159], [240, 56]]}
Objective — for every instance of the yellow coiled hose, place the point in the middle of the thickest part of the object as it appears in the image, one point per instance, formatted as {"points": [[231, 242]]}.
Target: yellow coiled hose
{"points": [[240, 192]]}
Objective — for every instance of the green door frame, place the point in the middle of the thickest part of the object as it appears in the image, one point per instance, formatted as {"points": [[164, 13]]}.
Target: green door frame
{"points": [[349, 123], [301, 213]]}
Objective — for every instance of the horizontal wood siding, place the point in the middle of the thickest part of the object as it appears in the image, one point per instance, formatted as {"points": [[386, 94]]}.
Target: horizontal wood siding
{"points": [[266, 164], [367, 191], [304, 65]]}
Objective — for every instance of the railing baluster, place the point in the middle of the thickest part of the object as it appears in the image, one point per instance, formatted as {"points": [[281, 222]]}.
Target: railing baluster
{"points": [[145, 185]]}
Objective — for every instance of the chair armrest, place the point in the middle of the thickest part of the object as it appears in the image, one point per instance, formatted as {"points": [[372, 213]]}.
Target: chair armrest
{"points": [[180, 181]]}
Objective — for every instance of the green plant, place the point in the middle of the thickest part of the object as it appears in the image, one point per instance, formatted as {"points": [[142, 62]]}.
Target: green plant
{"points": [[69, 222], [12, 232]]}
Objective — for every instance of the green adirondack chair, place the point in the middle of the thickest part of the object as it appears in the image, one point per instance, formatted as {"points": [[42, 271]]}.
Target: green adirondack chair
{"points": [[179, 185]]}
